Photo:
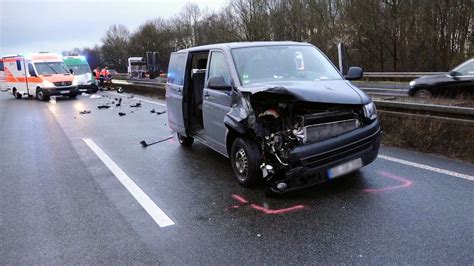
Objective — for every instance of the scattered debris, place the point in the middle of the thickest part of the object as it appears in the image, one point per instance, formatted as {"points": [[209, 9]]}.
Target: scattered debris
{"points": [[160, 113], [103, 106], [153, 111], [121, 114], [119, 102], [132, 112], [139, 104], [84, 112], [95, 96], [144, 144], [119, 90], [85, 94], [4, 90]]}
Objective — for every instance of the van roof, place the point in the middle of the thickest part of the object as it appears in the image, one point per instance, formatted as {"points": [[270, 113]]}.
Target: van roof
{"points": [[233, 45]]}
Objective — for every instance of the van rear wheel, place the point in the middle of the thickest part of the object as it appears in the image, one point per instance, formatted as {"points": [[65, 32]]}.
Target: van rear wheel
{"points": [[245, 158], [185, 141]]}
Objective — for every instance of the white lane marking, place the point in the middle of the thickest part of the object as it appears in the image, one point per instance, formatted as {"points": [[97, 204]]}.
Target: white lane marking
{"points": [[141, 99], [427, 167], [150, 207]]}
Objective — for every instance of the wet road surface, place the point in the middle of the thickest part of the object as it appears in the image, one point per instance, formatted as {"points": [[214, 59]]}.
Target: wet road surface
{"points": [[62, 201]]}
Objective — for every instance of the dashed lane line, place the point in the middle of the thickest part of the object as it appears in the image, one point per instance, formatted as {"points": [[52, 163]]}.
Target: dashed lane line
{"points": [[150, 207], [427, 167]]}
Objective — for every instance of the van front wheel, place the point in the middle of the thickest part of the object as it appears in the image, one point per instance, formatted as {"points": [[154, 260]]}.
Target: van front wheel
{"points": [[245, 158], [185, 141]]}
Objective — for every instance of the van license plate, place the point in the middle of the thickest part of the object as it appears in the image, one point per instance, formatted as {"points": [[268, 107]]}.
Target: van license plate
{"points": [[344, 168], [64, 92]]}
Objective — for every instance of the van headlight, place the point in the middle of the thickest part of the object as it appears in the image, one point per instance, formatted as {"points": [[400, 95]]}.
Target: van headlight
{"points": [[412, 83], [47, 84], [370, 111], [74, 82]]}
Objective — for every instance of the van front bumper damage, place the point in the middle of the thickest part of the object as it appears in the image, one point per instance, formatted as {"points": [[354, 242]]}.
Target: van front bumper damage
{"points": [[309, 164], [61, 91]]}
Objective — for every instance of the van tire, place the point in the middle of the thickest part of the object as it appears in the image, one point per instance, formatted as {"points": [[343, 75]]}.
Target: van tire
{"points": [[40, 95], [16, 94], [185, 141], [73, 96], [245, 157]]}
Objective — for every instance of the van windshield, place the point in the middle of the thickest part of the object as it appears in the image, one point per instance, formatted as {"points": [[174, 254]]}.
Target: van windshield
{"points": [[50, 68], [80, 69], [282, 63]]}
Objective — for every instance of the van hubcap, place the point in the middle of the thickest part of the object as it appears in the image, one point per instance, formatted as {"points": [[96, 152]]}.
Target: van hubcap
{"points": [[241, 162]]}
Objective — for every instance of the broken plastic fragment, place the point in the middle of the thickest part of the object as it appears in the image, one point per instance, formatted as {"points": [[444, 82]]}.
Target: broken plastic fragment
{"points": [[153, 111], [119, 102], [139, 104], [103, 107], [160, 113], [121, 114], [84, 112]]}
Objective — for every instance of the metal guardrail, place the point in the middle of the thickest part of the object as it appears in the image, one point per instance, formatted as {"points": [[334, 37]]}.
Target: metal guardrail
{"points": [[399, 74], [448, 114]]}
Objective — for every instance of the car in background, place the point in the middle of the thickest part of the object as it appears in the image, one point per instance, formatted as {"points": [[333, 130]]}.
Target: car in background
{"points": [[457, 82], [81, 70]]}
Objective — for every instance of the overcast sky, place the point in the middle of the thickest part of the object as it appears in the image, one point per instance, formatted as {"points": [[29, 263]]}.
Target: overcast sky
{"points": [[60, 25]]}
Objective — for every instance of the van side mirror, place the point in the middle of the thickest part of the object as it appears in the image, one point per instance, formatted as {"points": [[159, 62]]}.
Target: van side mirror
{"points": [[354, 73], [93, 73], [218, 83]]}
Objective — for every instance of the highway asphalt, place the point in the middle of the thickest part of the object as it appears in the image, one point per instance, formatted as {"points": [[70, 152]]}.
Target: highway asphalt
{"points": [[79, 189]]}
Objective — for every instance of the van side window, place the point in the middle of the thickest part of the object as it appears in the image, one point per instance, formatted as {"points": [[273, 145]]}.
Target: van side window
{"points": [[176, 69], [218, 67], [18, 65], [31, 70], [1, 66]]}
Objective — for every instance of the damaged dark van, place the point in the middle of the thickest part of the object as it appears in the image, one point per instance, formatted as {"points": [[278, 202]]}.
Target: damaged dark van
{"points": [[280, 111]]}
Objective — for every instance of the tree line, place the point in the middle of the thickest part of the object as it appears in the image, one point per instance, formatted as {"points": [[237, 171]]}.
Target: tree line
{"points": [[380, 35]]}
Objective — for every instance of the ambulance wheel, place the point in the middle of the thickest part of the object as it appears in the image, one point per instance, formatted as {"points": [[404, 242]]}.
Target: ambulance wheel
{"points": [[40, 95], [16, 94]]}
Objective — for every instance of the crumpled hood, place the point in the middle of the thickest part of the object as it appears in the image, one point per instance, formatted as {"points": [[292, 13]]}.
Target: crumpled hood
{"points": [[327, 91]]}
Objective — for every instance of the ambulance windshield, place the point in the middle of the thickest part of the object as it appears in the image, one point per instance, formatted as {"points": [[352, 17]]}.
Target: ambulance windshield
{"points": [[51, 68]]}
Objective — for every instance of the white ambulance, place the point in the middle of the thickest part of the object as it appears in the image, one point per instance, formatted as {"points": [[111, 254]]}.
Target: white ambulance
{"points": [[41, 75]]}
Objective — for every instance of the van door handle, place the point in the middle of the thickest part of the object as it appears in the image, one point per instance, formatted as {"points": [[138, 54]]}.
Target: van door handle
{"points": [[206, 95], [179, 91]]}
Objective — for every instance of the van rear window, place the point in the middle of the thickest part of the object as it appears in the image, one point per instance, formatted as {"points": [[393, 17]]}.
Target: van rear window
{"points": [[176, 69]]}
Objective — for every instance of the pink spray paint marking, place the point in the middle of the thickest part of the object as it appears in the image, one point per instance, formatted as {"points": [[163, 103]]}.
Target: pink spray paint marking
{"points": [[405, 183], [265, 210], [240, 199], [278, 211]]}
